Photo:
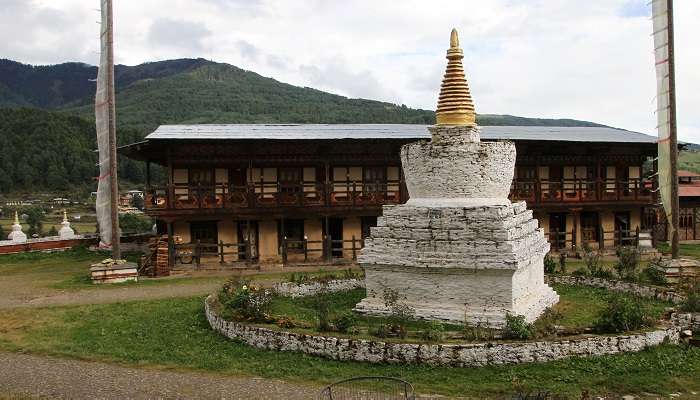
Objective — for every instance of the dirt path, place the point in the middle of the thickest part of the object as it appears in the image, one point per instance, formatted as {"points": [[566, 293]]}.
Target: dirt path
{"points": [[57, 378], [111, 295]]}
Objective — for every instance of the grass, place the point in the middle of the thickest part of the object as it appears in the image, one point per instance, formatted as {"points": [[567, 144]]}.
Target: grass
{"points": [[174, 333], [685, 249], [689, 161]]}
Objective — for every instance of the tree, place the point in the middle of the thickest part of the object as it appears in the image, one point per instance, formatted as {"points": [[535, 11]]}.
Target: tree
{"points": [[133, 223], [2, 233], [52, 231], [35, 219]]}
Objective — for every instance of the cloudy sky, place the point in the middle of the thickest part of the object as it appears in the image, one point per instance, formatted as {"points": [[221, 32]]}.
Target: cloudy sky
{"points": [[588, 60]]}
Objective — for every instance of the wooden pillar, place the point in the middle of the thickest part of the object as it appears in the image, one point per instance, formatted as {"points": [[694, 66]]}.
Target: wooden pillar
{"points": [[248, 251], [283, 244], [328, 244], [171, 244]]}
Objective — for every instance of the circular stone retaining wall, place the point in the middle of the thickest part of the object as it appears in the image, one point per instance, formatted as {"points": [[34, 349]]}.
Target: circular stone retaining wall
{"points": [[618, 286], [453, 355]]}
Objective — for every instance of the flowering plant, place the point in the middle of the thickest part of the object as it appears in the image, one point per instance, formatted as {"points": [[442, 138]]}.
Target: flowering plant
{"points": [[244, 301]]}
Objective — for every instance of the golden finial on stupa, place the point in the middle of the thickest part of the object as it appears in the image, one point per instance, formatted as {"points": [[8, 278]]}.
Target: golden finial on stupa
{"points": [[65, 216], [455, 105], [16, 218]]}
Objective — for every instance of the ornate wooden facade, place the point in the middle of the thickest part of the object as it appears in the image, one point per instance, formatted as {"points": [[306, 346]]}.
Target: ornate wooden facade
{"points": [[581, 192]]}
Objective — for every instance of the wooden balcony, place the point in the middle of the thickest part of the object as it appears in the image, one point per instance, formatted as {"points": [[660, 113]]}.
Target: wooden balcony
{"points": [[265, 195], [268, 195], [544, 192]]}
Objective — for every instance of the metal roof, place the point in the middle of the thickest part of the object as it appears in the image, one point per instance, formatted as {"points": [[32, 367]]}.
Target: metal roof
{"points": [[389, 131]]}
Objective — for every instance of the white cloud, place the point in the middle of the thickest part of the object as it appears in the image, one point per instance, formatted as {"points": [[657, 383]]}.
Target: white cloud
{"points": [[589, 60]]}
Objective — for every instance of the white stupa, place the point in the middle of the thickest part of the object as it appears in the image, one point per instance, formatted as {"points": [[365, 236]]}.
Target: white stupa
{"points": [[66, 232], [17, 235]]}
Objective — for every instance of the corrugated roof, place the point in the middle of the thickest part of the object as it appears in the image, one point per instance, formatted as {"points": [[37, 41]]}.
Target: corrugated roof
{"points": [[389, 131]]}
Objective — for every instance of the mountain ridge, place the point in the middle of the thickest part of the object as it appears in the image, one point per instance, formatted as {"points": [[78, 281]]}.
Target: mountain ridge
{"points": [[199, 90]]}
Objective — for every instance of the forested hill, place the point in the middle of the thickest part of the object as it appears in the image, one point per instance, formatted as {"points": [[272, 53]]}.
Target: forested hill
{"points": [[47, 133], [44, 150], [201, 91]]}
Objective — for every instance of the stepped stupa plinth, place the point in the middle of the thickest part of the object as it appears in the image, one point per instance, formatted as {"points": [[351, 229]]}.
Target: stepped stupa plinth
{"points": [[458, 250], [17, 235], [66, 232]]}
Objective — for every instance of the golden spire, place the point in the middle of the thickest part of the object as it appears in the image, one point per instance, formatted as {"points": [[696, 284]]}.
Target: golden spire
{"points": [[16, 218], [65, 216], [455, 105]]}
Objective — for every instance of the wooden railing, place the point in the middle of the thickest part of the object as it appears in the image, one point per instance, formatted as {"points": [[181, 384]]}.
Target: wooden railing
{"points": [[581, 190], [358, 193], [291, 251], [274, 194], [602, 239]]}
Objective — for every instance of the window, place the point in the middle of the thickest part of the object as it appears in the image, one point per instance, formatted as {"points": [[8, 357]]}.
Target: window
{"points": [[200, 176], [290, 179], [293, 231], [589, 226], [374, 179], [204, 232]]}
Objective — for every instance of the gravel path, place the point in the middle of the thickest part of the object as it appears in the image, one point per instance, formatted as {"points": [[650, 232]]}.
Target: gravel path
{"points": [[57, 378]]}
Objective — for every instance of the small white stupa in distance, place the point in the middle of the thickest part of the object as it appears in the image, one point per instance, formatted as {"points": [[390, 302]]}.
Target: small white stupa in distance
{"points": [[66, 232], [17, 235]]}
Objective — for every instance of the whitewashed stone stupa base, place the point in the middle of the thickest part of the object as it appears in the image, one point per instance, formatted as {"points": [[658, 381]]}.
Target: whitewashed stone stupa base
{"points": [[468, 264], [458, 250]]}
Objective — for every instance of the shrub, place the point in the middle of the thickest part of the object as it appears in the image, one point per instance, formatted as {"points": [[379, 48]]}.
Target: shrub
{"points": [[517, 328], [547, 323], [655, 273], [286, 322], [52, 231], [623, 313], [593, 263], [627, 261], [390, 330], [433, 333], [400, 311], [562, 263], [692, 300], [344, 323], [322, 307], [243, 301], [550, 266]]}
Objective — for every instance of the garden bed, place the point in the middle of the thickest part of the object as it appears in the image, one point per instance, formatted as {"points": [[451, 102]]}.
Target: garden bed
{"points": [[292, 324]]}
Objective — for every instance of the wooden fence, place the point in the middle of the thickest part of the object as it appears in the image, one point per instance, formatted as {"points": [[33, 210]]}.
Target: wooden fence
{"points": [[327, 250], [561, 241]]}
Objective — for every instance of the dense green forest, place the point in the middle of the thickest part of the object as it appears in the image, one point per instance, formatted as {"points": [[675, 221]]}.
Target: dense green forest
{"points": [[49, 150], [47, 133]]}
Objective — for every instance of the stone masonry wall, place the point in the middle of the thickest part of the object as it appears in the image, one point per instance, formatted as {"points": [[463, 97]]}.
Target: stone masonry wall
{"points": [[291, 289], [452, 355]]}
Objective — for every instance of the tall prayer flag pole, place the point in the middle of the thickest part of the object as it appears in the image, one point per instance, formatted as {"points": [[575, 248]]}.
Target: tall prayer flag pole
{"points": [[662, 17], [105, 121]]}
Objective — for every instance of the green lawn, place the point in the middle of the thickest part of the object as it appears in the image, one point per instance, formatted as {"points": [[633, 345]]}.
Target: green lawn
{"points": [[174, 333]]}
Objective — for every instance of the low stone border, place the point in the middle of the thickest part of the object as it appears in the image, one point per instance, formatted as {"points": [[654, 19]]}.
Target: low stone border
{"points": [[618, 286], [687, 321], [453, 355], [291, 289]]}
